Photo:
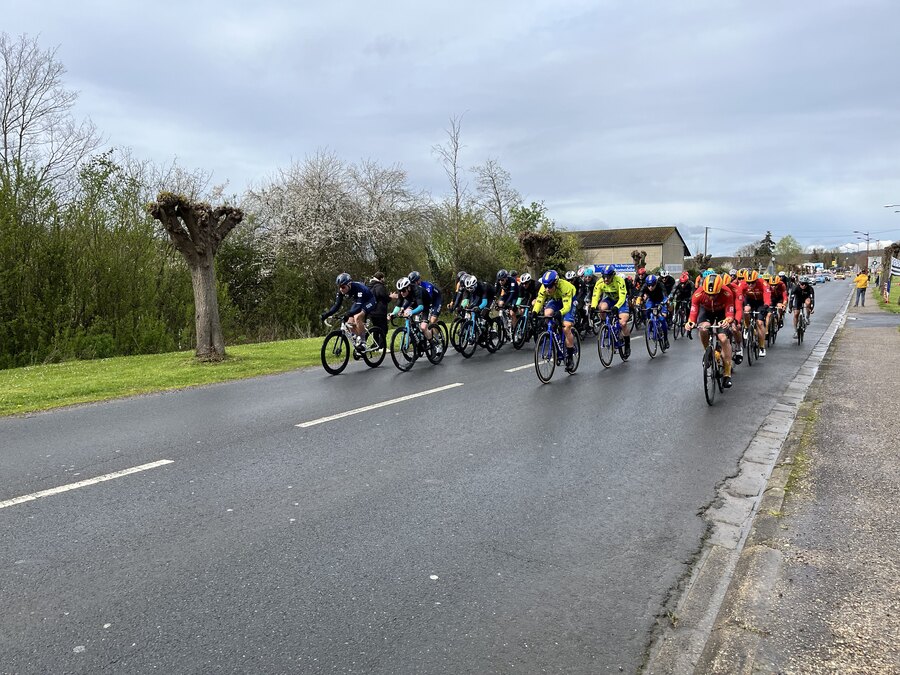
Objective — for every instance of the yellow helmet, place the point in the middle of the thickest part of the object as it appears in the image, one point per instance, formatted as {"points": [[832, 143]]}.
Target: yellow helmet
{"points": [[742, 274], [726, 279], [712, 284], [752, 275]]}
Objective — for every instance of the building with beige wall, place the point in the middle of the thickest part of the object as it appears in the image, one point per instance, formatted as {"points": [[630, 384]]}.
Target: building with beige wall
{"points": [[665, 246]]}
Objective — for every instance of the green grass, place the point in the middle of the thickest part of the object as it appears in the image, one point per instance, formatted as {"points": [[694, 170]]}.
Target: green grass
{"points": [[892, 306], [35, 388]]}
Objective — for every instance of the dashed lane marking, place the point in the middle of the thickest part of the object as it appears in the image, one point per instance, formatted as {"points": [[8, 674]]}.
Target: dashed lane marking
{"points": [[83, 483], [512, 370], [330, 418]]}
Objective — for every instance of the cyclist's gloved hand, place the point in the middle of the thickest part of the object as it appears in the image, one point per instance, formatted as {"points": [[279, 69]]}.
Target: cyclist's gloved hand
{"points": [[323, 316]]}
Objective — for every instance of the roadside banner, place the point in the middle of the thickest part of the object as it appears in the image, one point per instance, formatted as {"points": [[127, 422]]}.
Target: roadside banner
{"points": [[620, 269]]}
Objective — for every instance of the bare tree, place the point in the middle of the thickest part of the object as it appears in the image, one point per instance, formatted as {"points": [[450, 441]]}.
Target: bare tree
{"points": [[495, 192], [37, 130], [196, 229], [448, 155]]}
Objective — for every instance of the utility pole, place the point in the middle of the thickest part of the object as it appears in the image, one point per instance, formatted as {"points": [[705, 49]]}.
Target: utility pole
{"points": [[866, 235], [705, 240]]}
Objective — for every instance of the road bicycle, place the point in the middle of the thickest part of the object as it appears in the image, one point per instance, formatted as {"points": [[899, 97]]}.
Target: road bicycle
{"points": [[527, 327], [772, 330], [802, 323], [336, 348], [713, 366], [408, 343], [610, 339], [637, 315], [750, 337], [473, 330], [679, 314], [550, 350], [655, 335], [588, 322]]}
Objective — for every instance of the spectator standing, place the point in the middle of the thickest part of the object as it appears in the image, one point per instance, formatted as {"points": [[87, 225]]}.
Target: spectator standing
{"points": [[382, 298], [862, 282]]}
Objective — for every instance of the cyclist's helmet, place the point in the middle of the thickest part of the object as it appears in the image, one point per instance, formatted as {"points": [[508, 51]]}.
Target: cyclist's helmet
{"points": [[609, 271], [570, 275], [414, 276], [804, 281], [712, 284], [461, 275], [470, 281], [342, 279], [742, 274], [766, 277], [782, 275], [588, 271], [642, 271], [752, 275], [514, 274], [726, 279], [652, 279], [685, 277], [525, 278], [502, 275], [403, 283], [550, 278], [732, 273], [708, 271]]}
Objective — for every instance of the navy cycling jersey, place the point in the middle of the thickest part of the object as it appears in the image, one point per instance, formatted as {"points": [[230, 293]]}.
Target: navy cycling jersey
{"points": [[482, 294], [527, 293], [417, 299], [430, 289], [656, 295], [510, 292], [361, 296]]}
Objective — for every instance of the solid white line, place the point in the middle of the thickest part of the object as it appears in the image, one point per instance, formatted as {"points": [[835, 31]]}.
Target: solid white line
{"points": [[83, 483], [512, 370], [322, 420]]}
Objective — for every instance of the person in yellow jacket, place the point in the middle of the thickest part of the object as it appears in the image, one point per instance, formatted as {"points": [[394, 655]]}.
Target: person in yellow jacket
{"points": [[559, 296], [611, 295], [862, 282]]}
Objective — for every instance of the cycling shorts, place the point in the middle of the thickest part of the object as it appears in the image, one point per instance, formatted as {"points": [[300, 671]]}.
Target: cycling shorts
{"points": [[622, 310], [556, 306], [797, 302], [758, 306], [358, 307], [709, 316], [436, 305], [663, 306]]}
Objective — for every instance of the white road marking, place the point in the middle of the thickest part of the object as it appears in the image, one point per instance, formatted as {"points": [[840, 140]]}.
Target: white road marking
{"points": [[512, 370], [322, 420], [83, 483]]}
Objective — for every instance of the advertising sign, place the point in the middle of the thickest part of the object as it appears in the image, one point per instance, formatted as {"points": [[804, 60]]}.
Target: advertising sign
{"points": [[620, 269]]}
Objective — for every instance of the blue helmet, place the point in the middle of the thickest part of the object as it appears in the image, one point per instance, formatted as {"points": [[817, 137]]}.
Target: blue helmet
{"points": [[650, 280], [342, 278], [550, 277], [413, 276], [609, 271], [588, 271]]}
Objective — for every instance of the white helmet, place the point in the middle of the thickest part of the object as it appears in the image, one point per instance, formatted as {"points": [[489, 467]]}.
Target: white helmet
{"points": [[470, 282], [570, 275], [525, 278], [402, 282]]}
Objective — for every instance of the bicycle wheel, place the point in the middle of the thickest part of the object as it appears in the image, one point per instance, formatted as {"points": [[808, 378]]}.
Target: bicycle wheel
{"points": [[576, 352], [605, 346], [403, 351], [493, 340], [544, 357], [374, 351], [335, 352], [709, 374], [520, 333], [437, 348], [468, 339], [456, 328], [650, 338], [747, 338]]}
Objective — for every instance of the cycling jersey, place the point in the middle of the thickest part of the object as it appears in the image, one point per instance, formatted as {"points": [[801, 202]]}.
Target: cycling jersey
{"points": [[417, 300], [757, 293], [527, 293], [801, 294], [615, 291], [436, 301], [656, 295], [481, 296], [509, 292], [778, 290], [737, 288], [363, 300], [683, 290], [668, 282], [564, 292], [717, 307]]}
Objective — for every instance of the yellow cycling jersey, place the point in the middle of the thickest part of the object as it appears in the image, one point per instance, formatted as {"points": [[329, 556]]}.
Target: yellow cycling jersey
{"points": [[564, 291], [615, 291]]}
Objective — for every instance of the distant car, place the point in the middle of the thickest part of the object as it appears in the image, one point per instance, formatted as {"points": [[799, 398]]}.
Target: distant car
{"points": [[820, 278], [840, 275], [809, 280]]}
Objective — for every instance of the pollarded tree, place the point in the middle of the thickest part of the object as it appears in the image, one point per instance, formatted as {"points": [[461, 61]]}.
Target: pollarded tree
{"points": [[196, 229]]}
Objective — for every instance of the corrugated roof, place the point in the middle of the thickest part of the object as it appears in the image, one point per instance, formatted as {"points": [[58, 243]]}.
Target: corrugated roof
{"points": [[627, 236]]}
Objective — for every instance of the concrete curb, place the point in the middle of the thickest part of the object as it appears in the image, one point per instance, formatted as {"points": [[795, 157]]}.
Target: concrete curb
{"points": [[715, 625]]}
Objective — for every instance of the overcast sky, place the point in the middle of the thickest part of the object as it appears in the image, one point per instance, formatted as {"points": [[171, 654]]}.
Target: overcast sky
{"points": [[738, 116]]}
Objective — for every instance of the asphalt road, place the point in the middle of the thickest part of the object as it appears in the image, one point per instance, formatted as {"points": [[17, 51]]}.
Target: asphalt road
{"points": [[498, 526]]}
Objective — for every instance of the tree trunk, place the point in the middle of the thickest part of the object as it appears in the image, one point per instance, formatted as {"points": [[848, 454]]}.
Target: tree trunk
{"points": [[210, 342]]}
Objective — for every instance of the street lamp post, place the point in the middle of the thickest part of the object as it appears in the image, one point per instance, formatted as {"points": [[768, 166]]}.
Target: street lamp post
{"points": [[866, 235]]}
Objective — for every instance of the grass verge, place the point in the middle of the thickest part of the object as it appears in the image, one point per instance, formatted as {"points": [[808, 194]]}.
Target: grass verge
{"points": [[892, 305], [49, 386]]}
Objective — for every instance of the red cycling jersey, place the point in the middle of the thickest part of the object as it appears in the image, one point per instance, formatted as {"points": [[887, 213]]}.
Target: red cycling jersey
{"points": [[723, 301], [758, 291], [778, 289], [737, 288]]}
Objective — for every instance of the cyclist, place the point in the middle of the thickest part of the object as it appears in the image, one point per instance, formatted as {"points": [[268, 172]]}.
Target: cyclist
{"points": [[414, 299], [610, 295], [639, 280], [804, 295], [778, 291], [737, 286], [667, 281], [714, 303], [480, 295], [682, 293], [757, 298], [508, 288], [528, 290], [588, 281], [436, 301], [458, 291], [363, 305], [653, 294], [559, 296]]}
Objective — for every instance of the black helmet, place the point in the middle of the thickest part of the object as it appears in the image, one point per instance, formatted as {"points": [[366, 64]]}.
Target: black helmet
{"points": [[514, 274], [502, 275], [414, 276], [462, 274], [342, 278]]}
